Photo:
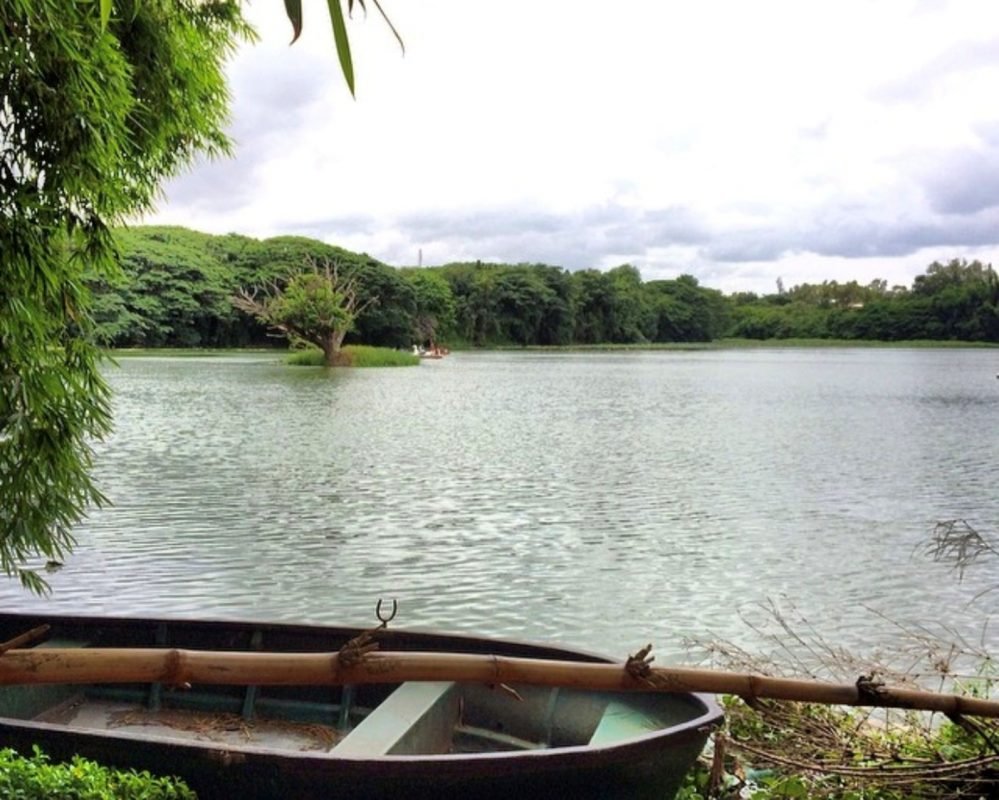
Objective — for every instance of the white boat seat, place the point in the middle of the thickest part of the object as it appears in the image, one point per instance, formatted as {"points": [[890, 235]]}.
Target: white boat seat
{"points": [[417, 718], [621, 722]]}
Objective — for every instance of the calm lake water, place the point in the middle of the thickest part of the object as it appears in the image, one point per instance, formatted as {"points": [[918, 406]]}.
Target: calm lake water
{"points": [[600, 500]]}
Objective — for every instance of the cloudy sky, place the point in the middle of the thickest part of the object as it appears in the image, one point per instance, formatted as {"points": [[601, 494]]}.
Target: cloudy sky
{"points": [[736, 141]]}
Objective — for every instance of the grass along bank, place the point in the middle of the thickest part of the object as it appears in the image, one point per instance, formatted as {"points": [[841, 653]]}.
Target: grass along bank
{"points": [[356, 355]]}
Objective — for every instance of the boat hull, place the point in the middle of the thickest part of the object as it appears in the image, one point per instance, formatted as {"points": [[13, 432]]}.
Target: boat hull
{"points": [[651, 764]]}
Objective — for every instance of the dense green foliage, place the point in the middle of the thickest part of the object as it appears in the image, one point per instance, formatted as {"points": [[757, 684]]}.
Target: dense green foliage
{"points": [[432, 310], [92, 117], [175, 285], [954, 301], [36, 778]]}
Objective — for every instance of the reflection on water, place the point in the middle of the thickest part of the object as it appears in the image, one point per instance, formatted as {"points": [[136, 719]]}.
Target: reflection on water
{"points": [[604, 500]]}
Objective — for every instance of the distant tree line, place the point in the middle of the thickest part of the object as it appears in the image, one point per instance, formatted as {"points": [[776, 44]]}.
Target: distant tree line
{"points": [[175, 289], [954, 301]]}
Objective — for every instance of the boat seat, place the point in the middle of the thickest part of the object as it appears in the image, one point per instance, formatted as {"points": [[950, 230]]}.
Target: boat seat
{"points": [[620, 722], [417, 718]]}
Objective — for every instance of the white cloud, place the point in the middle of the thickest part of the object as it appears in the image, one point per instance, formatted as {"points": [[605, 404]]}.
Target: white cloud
{"points": [[734, 141]]}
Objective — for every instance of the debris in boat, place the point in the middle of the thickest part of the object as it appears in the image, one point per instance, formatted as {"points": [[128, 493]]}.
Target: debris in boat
{"points": [[215, 726]]}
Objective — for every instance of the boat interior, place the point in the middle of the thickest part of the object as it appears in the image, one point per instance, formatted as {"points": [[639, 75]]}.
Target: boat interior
{"points": [[369, 721]]}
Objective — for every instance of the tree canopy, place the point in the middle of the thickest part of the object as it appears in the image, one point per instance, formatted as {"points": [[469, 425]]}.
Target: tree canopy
{"points": [[175, 283], [958, 300], [318, 306], [94, 114]]}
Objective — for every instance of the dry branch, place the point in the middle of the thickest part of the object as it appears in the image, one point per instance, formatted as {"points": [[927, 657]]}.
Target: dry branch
{"points": [[835, 751]]}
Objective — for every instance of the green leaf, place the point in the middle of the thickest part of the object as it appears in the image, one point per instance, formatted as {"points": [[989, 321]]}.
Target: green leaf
{"points": [[398, 38], [342, 43], [364, 8], [140, 107], [294, 10]]}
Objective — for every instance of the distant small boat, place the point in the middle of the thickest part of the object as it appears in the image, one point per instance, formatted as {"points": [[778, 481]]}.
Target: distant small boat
{"points": [[433, 352], [414, 739]]}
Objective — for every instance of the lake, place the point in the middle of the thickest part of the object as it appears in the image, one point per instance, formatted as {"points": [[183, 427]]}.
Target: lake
{"points": [[602, 500]]}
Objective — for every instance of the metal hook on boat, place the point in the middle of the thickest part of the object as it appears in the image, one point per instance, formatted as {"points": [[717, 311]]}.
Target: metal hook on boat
{"points": [[386, 620]]}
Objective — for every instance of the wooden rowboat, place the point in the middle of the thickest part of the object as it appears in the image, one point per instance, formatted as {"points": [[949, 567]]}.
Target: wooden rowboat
{"points": [[414, 739]]}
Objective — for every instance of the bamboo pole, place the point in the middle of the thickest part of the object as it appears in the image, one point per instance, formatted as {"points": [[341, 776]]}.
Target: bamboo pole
{"points": [[179, 667]]}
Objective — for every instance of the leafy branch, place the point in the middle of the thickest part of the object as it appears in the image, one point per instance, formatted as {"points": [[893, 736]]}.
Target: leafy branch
{"points": [[293, 8]]}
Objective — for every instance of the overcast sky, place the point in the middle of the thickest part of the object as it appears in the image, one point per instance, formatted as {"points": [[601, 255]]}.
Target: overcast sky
{"points": [[738, 141]]}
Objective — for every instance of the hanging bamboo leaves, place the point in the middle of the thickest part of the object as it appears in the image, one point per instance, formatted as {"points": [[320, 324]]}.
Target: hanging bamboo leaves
{"points": [[342, 43], [293, 8]]}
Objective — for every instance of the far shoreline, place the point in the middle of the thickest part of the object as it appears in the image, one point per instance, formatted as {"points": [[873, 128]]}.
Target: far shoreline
{"points": [[719, 344], [750, 344]]}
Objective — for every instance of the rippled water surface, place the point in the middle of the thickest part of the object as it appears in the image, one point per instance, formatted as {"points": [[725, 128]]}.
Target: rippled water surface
{"points": [[602, 500]]}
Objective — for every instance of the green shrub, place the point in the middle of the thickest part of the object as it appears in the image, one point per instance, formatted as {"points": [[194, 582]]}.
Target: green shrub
{"points": [[36, 778], [785, 751], [357, 355]]}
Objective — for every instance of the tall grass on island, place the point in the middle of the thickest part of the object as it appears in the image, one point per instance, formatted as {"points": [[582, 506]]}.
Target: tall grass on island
{"points": [[356, 355]]}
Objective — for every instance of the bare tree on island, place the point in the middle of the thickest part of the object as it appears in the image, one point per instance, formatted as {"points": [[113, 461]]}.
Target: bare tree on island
{"points": [[318, 306]]}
